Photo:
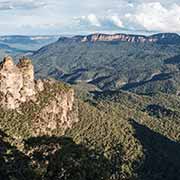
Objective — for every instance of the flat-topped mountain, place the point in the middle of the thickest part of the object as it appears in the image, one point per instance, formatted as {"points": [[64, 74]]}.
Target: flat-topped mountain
{"points": [[111, 62], [168, 38]]}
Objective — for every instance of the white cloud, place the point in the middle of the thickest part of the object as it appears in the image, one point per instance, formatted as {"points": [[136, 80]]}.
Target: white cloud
{"points": [[21, 4], [57, 16], [116, 20], [155, 17], [99, 22], [92, 18]]}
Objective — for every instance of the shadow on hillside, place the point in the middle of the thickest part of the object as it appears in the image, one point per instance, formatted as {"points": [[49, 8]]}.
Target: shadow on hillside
{"points": [[64, 159], [162, 155], [173, 60], [160, 111], [57, 158], [13, 163], [158, 77], [72, 77]]}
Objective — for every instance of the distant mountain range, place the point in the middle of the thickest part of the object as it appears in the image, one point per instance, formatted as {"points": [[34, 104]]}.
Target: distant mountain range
{"points": [[27, 39], [107, 62], [23, 45], [16, 44], [164, 38], [110, 62]]}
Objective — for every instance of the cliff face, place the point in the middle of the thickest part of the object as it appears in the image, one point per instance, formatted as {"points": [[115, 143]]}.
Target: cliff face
{"points": [[16, 83], [47, 105], [58, 114], [27, 71], [165, 38], [116, 37]]}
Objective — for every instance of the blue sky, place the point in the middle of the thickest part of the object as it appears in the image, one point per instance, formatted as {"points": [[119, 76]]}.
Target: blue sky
{"points": [[87, 16]]}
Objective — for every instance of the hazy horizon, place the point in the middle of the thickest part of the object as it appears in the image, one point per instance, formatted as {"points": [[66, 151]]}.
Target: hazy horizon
{"points": [[88, 33]]}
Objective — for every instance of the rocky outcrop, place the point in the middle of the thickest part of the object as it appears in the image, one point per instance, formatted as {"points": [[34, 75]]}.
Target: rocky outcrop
{"points": [[46, 105], [157, 38], [58, 114], [16, 82], [115, 37], [27, 70], [165, 38]]}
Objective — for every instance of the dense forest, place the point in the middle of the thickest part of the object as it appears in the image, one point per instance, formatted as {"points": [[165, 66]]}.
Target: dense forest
{"points": [[128, 105], [120, 136]]}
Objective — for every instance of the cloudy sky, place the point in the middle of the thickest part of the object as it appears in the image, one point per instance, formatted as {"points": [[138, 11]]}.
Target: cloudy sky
{"points": [[87, 16]]}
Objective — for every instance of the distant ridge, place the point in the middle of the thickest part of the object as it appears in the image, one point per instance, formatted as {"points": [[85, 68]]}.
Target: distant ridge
{"points": [[164, 38], [110, 62]]}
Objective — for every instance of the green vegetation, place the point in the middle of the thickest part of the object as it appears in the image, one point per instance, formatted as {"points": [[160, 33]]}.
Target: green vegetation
{"points": [[18, 123], [128, 102], [149, 143], [137, 67], [119, 136]]}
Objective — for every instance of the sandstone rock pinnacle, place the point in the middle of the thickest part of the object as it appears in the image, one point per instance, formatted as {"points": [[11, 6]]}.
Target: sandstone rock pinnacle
{"points": [[52, 103], [27, 70], [16, 82]]}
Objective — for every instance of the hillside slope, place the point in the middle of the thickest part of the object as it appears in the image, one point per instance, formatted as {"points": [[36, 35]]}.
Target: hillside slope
{"points": [[111, 64], [121, 121], [118, 136]]}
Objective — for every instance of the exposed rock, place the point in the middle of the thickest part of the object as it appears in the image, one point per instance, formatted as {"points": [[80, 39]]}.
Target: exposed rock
{"points": [[39, 86], [165, 38], [47, 104], [115, 37], [16, 82], [27, 70], [123, 37], [57, 115]]}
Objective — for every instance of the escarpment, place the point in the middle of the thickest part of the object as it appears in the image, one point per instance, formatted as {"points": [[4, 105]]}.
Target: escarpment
{"points": [[40, 107], [161, 38]]}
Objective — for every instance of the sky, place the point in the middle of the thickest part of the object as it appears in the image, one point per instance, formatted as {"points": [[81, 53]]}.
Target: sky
{"points": [[54, 17]]}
